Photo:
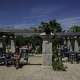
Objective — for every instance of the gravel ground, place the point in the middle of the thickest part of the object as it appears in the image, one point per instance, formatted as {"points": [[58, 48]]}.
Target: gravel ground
{"points": [[39, 72]]}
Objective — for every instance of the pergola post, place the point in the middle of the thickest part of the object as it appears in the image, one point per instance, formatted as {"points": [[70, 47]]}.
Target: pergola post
{"points": [[1, 44], [47, 49], [12, 45], [76, 45], [69, 44], [65, 42]]}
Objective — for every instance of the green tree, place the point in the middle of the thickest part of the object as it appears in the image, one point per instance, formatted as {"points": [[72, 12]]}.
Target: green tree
{"points": [[55, 26], [57, 62], [75, 28], [45, 27], [36, 40], [51, 26], [20, 40]]}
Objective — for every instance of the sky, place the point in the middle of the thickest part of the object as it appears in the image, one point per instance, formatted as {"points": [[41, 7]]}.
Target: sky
{"points": [[29, 13]]}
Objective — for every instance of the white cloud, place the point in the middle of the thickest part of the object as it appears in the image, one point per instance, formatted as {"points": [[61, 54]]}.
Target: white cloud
{"points": [[17, 26], [22, 26], [69, 22], [66, 23]]}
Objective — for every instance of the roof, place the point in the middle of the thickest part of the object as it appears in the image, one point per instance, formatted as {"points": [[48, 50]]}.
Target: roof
{"points": [[28, 32]]}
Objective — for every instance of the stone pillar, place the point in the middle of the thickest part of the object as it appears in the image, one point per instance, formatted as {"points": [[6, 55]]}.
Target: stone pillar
{"points": [[1, 45], [47, 49], [65, 41], [12, 46], [69, 45], [76, 46], [4, 43]]}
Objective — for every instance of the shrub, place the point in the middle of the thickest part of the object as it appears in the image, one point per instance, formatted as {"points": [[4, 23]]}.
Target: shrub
{"points": [[57, 63]]}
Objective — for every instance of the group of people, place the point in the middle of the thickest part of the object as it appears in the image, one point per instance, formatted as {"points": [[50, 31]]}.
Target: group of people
{"points": [[15, 57], [8, 58], [11, 58], [18, 55]]}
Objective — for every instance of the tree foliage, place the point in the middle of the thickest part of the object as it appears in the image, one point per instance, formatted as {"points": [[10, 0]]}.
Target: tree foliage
{"points": [[57, 63], [19, 41], [51, 26], [34, 40], [75, 28]]}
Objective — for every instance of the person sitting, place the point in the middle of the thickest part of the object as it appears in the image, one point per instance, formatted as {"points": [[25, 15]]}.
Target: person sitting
{"points": [[17, 58]]}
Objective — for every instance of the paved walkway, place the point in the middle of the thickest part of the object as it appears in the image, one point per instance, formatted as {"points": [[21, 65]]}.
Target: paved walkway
{"points": [[38, 72]]}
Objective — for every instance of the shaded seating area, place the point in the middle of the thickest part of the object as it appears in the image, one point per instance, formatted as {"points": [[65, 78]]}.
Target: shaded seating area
{"points": [[72, 57], [71, 47]]}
